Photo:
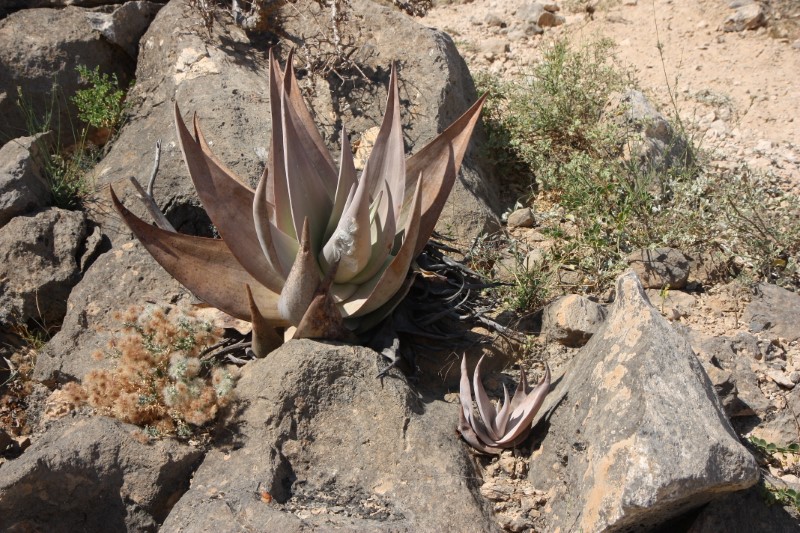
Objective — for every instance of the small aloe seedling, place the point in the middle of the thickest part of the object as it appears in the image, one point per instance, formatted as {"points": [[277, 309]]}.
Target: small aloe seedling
{"points": [[314, 247], [504, 427]]}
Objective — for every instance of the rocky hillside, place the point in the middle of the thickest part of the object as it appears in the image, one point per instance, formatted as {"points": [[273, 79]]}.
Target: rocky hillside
{"points": [[625, 218]]}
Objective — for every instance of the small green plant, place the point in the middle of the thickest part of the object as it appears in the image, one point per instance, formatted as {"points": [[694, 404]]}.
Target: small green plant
{"points": [[770, 448], [160, 381], [102, 104], [784, 496]]}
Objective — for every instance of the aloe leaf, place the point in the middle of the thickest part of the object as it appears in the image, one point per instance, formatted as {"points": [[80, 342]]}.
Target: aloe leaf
{"points": [[312, 142], [523, 389], [372, 294], [301, 283], [262, 221], [204, 266], [440, 160], [265, 338], [225, 198], [277, 187], [471, 437], [310, 190], [363, 324], [521, 419], [503, 415], [465, 397], [322, 319], [485, 405], [347, 178], [381, 241], [350, 244], [387, 161]]}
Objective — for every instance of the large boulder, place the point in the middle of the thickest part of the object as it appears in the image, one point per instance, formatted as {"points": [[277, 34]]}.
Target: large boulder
{"points": [[23, 185], [39, 52], [323, 445], [39, 264], [635, 434], [223, 77], [92, 475]]}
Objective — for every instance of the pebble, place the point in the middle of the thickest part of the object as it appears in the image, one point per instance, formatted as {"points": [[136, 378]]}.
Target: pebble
{"points": [[521, 218], [781, 379]]}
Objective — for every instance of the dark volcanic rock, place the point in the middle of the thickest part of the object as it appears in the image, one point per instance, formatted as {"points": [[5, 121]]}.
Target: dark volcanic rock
{"points": [[775, 310], [322, 445], [224, 78], [635, 432], [92, 475], [117, 280], [23, 185], [39, 265], [42, 47]]}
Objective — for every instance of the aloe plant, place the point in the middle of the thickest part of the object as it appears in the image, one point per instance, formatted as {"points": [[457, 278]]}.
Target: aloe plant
{"points": [[315, 247], [501, 428]]}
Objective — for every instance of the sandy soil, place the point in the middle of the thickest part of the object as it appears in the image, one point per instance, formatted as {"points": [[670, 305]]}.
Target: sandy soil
{"points": [[740, 91]]}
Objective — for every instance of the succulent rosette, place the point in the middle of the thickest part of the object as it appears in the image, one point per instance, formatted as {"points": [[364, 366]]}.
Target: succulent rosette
{"points": [[504, 426], [313, 246]]}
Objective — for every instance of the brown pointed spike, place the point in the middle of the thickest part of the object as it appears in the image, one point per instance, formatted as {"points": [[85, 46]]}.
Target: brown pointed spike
{"points": [[301, 283], [323, 320], [265, 338], [204, 266]]}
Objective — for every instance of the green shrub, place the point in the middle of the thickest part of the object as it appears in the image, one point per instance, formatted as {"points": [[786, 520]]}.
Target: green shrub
{"points": [[549, 131], [102, 104]]}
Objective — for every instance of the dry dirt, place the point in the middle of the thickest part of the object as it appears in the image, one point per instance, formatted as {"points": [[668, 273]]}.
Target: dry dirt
{"points": [[739, 91]]}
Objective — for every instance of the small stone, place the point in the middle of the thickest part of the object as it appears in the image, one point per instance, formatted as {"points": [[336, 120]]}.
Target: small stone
{"points": [[494, 21], [794, 377], [495, 46], [549, 20], [497, 491], [572, 320], [763, 146], [781, 379], [521, 218], [748, 17], [531, 28], [552, 7], [507, 463], [660, 267]]}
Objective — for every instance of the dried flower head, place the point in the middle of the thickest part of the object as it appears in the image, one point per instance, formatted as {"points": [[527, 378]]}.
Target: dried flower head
{"points": [[159, 382]]}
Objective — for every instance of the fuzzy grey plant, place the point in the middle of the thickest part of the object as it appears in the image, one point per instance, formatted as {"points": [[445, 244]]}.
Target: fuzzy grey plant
{"points": [[501, 428]]}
